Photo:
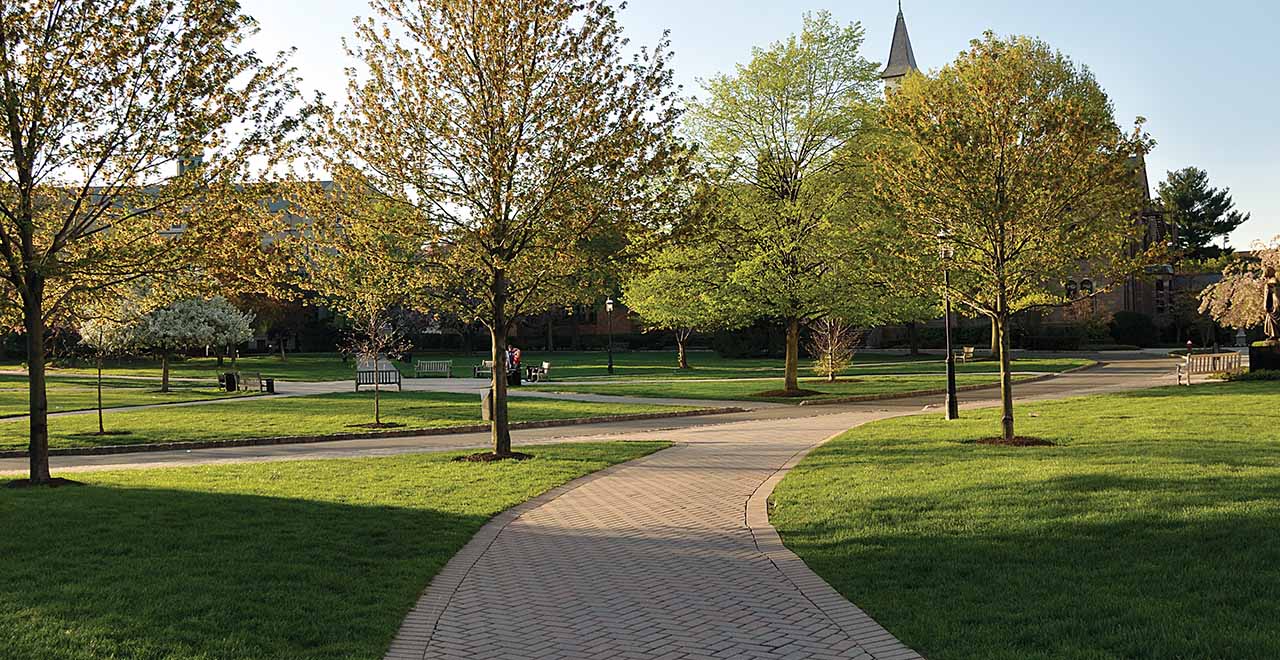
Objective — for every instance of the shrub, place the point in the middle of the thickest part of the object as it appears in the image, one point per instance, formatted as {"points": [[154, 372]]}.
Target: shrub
{"points": [[1261, 374], [1133, 328]]}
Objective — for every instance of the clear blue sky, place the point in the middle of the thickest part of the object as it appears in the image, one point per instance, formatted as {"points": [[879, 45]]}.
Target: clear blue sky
{"points": [[1202, 73]]}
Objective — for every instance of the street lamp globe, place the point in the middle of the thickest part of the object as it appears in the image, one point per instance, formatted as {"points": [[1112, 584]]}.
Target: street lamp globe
{"points": [[608, 305], [945, 249]]}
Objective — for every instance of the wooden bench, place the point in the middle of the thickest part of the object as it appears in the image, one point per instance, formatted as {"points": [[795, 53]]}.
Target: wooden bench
{"points": [[249, 382], [1207, 363], [538, 374], [965, 354], [423, 368], [483, 370], [379, 372]]}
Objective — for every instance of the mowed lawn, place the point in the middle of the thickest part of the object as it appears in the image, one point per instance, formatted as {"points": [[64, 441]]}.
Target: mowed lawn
{"points": [[67, 394], [566, 365], [751, 390], [323, 414], [318, 560], [1152, 529]]}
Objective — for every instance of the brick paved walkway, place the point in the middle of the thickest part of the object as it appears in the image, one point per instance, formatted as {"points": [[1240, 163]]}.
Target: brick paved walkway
{"points": [[671, 556], [650, 560]]}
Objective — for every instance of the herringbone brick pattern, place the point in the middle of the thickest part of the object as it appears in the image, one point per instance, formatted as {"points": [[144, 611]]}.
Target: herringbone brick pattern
{"points": [[651, 560]]}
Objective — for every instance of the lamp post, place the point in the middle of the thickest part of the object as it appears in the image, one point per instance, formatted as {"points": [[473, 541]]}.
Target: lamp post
{"points": [[608, 308], [947, 252]]}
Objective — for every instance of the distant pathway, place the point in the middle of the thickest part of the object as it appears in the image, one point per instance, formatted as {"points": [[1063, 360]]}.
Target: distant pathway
{"points": [[672, 556]]}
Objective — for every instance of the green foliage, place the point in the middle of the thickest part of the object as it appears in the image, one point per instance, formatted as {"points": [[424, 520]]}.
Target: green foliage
{"points": [[1012, 152], [1134, 328], [296, 559], [1202, 213], [1151, 529], [1258, 375]]}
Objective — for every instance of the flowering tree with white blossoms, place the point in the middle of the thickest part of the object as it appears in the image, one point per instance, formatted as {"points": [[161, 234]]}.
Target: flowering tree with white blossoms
{"points": [[188, 324]]}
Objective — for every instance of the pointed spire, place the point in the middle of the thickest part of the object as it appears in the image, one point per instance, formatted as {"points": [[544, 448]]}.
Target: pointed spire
{"points": [[902, 60]]}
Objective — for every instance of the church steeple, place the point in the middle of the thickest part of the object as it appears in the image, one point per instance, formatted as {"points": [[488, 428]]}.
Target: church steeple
{"points": [[901, 58]]}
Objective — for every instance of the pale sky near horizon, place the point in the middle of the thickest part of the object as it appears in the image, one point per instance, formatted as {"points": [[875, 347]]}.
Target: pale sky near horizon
{"points": [[1201, 73]]}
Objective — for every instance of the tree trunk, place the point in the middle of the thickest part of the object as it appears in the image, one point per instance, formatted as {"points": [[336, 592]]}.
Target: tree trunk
{"points": [[377, 394], [682, 349], [995, 339], [33, 310], [913, 337], [551, 332], [500, 432], [792, 377], [285, 358], [164, 371], [101, 429], [1001, 322]]}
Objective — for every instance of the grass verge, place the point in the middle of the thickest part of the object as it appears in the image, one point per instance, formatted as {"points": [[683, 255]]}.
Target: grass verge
{"points": [[71, 393], [1151, 529], [770, 390], [316, 559], [322, 414]]}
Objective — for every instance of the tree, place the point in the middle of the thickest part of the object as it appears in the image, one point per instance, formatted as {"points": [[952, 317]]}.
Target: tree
{"points": [[781, 134], [99, 101], [519, 141], [348, 268], [832, 344], [1236, 301], [1013, 154], [107, 337], [1200, 212], [188, 324], [676, 290]]}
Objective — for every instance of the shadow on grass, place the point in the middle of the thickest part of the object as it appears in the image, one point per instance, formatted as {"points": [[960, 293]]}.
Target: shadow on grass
{"points": [[95, 572]]}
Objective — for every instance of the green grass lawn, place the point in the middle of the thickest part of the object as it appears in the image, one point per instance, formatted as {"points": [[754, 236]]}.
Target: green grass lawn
{"points": [[297, 367], [318, 560], [1152, 529], [747, 390], [309, 415], [70, 393], [565, 365]]}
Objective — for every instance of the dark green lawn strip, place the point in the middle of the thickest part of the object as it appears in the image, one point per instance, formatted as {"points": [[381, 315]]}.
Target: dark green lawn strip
{"points": [[67, 393], [1152, 529], [325, 414], [317, 560], [566, 365], [749, 390]]}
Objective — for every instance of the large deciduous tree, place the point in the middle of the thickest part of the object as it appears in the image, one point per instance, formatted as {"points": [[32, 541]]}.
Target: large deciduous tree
{"points": [[1201, 212], [1013, 152], [522, 137], [100, 101], [781, 134]]}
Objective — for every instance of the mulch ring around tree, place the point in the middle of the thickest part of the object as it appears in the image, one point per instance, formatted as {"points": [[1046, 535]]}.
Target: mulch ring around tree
{"points": [[787, 394], [383, 425], [1017, 441], [490, 457], [55, 482]]}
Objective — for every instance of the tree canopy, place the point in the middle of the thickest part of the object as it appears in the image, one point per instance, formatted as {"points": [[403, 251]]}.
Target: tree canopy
{"points": [[780, 137], [519, 138], [1012, 153], [1201, 212]]}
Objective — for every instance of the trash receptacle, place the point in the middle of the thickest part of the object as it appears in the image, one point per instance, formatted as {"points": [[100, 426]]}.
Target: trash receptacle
{"points": [[229, 381], [270, 384]]}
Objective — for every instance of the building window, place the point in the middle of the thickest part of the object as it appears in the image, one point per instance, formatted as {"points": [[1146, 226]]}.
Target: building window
{"points": [[1161, 297], [1071, 289], [1086, 287]]}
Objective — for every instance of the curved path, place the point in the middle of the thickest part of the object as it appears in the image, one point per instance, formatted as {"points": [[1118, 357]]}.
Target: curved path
{"points": [[672, 556]]}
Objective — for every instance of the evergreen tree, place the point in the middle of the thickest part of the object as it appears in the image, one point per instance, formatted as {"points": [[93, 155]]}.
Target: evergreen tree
{"points": [[1202, 213]]}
